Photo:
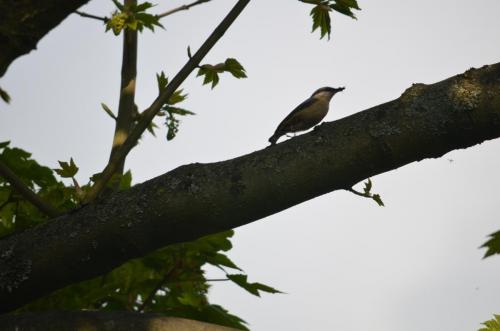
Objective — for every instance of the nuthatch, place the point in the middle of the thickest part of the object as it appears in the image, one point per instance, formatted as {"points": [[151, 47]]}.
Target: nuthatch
{"points": [[307, 114]]}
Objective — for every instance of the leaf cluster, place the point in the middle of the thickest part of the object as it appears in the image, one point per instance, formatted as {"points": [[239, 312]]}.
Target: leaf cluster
{"points": [[169, 281], [170, 112], [132, 17], [17, 213], [492, 245], [211, 72], [321, 13], [492, 325]]}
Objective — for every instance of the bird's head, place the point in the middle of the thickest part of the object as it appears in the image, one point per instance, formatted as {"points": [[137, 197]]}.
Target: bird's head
{"points": [[326, 92]]}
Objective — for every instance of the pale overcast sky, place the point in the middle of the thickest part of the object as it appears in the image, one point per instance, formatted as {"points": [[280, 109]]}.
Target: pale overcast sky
{"points": [[345, 263]]}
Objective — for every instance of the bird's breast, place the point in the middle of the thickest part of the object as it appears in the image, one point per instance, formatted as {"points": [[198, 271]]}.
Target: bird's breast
{"points": [[318, 110], [309, 117]]}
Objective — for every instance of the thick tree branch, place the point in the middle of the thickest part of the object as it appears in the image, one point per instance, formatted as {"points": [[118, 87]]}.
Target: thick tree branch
{"points": [[126, 107], [148, 115], [24, 23], [191, 201], [25, 191], [183, 7], [87, 320]]}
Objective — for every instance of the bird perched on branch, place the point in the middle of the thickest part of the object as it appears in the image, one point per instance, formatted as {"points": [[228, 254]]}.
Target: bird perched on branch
{"points": [[307, 114]]}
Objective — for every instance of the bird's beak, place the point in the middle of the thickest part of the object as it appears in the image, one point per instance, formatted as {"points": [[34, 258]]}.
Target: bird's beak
{"points": [[340, 89]]}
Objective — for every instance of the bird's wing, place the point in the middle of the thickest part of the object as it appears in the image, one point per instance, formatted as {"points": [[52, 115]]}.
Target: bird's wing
{"points": [[294, 112]]}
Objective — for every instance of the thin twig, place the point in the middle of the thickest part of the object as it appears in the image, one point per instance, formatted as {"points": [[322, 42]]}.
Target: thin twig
{"points": [[358, 193], [26, 192], [82, 14], [183, 7], [201, 280], [149, 114], [158, 286], [165, 278]]}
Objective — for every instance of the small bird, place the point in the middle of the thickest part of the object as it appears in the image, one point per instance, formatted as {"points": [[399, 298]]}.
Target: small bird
{"points": [[307, 114]]}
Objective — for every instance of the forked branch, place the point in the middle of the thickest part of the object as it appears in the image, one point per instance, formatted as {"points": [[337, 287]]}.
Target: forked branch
{"points": [[149, 114]]}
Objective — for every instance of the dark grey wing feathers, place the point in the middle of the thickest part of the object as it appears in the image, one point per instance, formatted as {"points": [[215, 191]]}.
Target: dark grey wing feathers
{"points": [[303, 105]]}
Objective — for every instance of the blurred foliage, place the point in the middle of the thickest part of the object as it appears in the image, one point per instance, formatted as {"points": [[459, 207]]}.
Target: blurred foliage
{"points": [[170, 280], [321, 13], [16, 213], [492, 325], [492, 245], [132, 17]]}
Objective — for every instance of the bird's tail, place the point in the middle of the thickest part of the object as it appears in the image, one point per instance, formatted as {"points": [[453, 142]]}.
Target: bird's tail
{"points": [[274, 138]]}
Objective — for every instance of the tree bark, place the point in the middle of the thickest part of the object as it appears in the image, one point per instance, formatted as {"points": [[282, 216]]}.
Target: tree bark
{"points": [[194, 200], [24, 22], [88, 320]]}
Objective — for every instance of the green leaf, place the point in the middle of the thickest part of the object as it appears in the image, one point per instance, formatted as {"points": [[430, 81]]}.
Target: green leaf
{"points": [[220, 259], [492, 325], [368, 186], [4, 95], [312, 2], [218, 241], [492, 245], [142, 7], [178, 111], [147, 20], [177, 97], [162, 81], [343, 10], [108, 110], [321, 19], [254, 288], [151, 128], [210, 73], [125, 181], [378, 200], [4, 144], [235, 68], [321, 13], [67, 170], [348, 3], [95, 177], [191, 299], [118, 5], [171, 122]]}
